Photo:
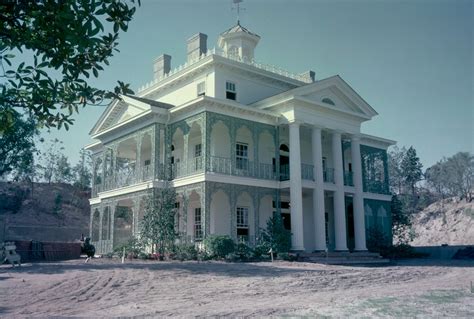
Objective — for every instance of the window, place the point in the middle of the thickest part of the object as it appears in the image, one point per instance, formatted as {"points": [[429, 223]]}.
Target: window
{"points": [[328, 101], [201, 88], [242, 223], [241, 155], [197, 150], [197, 224], [230, 92], [147, 162]]}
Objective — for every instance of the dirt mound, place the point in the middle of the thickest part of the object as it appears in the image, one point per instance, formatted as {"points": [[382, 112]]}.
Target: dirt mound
{"points": [[43, 212], [448, 221]]}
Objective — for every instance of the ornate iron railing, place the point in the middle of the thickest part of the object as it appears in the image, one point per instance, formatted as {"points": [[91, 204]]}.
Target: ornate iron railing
{"points": [[307, 172], [375, 186], [244, 168], [328, 175], [348, 178], [187, 168]]}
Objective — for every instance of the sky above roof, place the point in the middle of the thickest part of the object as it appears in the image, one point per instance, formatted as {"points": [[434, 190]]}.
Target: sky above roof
{"points": [[412, 61]]}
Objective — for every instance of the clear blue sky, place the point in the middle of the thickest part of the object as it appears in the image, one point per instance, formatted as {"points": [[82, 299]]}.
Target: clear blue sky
{"points": [[411, 60]]}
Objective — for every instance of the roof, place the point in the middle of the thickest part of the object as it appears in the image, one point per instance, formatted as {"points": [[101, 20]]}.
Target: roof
{"points": [[165, 106], [238, 28]]}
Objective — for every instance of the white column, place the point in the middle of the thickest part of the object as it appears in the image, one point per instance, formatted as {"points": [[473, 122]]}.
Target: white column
{"points": [[339, 205], [296, 189], [358, 202], [318, 192]]}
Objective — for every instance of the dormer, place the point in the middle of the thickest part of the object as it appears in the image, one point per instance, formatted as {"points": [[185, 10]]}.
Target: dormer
{"points": [[238, 43]]}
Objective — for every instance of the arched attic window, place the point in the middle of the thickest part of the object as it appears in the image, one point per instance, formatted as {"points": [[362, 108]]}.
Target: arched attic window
{"points": [[328, 101]]}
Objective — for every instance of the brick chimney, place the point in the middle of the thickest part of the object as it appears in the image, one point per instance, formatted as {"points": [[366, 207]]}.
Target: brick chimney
{"points": [[161, 66], [196, 45]]}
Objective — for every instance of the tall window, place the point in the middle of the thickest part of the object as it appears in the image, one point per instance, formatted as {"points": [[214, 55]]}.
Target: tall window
{"points": [[201, 88], [230, 91], [242, 223], [197, 224], [241, 155], [197, 150], [197, 156]]}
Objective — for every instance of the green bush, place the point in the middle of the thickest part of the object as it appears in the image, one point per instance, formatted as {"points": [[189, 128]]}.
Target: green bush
{"points": [[376, 240], [401, 251], [286, 256], [185, 251], [261, 250], [243, 251], [275, 236], [218, 246], [133, 247]]}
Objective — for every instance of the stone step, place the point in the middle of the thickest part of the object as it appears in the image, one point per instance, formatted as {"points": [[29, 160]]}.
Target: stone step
{"points": [[347, 261], [347, 254]]}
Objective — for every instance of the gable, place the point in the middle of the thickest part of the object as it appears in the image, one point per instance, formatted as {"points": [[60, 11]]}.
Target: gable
{"points": [[335, 95], [118, 112]]}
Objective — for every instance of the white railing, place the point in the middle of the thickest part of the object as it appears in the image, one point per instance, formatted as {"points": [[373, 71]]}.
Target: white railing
{"points": [[262, 66]]}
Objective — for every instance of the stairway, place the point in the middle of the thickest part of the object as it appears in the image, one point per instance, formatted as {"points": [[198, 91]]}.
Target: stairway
{"points": [[344, 258]]}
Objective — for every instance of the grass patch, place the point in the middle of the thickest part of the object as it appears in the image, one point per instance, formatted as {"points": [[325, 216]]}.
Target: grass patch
{"points": [[444, 296]]}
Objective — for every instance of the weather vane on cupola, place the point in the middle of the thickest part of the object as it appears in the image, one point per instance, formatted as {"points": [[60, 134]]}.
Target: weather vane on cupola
{"points": [[236, 6]]}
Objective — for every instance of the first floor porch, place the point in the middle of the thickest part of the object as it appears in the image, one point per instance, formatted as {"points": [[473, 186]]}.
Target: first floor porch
{"points": [[238, 211]]}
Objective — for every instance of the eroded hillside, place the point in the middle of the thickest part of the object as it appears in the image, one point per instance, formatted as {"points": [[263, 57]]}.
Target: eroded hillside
{"points": [[44, 212], [448, 221]]}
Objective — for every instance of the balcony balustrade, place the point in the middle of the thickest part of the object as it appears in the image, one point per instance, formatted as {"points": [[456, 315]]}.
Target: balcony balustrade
{"points": [[226, 166], [241, 167], [126, 177], [307, 172], [328, 175], [187, 168], [348, 178]]}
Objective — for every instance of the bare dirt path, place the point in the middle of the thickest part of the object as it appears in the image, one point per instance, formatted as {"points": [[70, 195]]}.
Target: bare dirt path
{"points": [[106, 288]]}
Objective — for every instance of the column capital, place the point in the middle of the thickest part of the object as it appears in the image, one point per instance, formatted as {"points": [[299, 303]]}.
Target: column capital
{"points": [[295, 122], [356, 137]]}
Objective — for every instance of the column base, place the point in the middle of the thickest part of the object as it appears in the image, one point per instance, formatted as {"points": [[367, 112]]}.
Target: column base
{"points": [[297, 250]]}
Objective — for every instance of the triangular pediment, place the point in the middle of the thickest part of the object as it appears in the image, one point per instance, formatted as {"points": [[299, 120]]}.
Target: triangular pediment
{"points": [[120, 111], [333, 97], [332, 93]]}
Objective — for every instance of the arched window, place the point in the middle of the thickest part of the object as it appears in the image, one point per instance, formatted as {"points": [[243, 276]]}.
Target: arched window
{"points": [[328, 101], [284, 148]]}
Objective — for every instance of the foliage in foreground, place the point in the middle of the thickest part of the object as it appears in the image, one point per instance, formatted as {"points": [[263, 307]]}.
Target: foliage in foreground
{"points": [[377, 242], [49, 49], [275, 236], [158, 224], [218, 246]]}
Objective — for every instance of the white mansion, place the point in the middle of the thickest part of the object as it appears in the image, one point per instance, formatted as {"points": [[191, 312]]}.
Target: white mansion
{"points": [[240, 141]]}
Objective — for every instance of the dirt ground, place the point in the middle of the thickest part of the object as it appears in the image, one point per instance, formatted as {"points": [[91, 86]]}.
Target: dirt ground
{"points": [[107, 288]]}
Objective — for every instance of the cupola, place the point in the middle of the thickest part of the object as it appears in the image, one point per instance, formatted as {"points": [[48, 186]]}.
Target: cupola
{"points": [[238, 42]]}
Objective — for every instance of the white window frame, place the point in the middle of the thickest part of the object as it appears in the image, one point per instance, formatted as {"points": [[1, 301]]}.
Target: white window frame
{"points": [[242, 159], [201, 88], [198, 150], [230, 87], [242, 214], [197, 223]]}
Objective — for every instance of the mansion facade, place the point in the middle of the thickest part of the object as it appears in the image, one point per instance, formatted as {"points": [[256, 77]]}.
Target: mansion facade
{"points": [[240, 141]]}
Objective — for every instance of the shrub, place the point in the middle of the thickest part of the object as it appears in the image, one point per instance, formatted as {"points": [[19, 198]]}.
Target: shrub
{"points": [[376, 240], [401, 251], [243, 251], [286, 256], [133, 247], [218, 246], [275, 236], [185, 251], [261, 250]]}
